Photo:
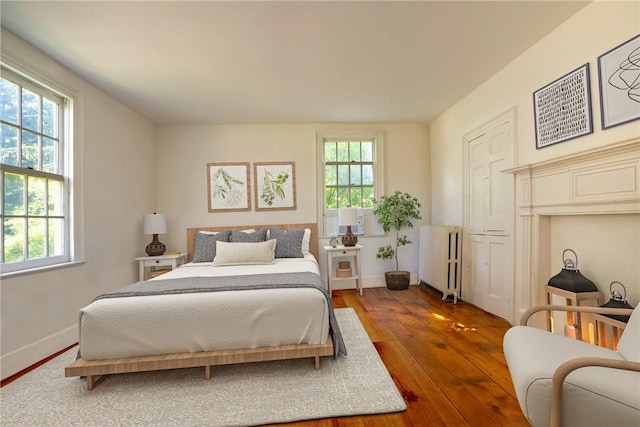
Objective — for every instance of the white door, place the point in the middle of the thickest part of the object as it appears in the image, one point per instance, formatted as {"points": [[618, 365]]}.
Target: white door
{"points": [[489, 195]]}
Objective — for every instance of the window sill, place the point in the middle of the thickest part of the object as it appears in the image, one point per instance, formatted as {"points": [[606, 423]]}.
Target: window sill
{"points": [[37, 270], [359, 236]]}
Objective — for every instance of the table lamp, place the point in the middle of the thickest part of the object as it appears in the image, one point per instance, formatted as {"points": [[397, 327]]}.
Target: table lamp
{"points": [[348, 217], [154, 224]]}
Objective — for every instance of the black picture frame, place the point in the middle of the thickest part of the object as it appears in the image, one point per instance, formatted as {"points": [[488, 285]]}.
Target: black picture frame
{"points": [[619, 83], [562, 109]]}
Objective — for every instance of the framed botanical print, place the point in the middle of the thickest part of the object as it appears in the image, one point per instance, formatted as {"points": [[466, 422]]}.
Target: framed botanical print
{"points": [[228, 187], [275, 185]]}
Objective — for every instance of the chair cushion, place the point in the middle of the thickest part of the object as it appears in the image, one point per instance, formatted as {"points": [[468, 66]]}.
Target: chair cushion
{"points": [[591, 396], [629, 344]]}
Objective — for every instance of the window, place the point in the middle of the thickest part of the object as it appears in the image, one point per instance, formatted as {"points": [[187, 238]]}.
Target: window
{"points": [[350, 176], [34, 205]]}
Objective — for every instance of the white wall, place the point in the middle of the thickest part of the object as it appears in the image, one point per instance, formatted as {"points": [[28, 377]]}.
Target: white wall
{"points": [[116, 184], [184, 151], [591, 32]]}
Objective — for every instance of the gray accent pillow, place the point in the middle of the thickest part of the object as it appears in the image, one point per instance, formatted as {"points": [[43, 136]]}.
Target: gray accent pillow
{"points": [[288, 243], [255, 237], [205, 247]]}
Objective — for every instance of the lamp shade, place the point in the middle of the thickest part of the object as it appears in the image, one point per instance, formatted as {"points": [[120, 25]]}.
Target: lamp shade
{"points": [[348, 216], [154, 223]]}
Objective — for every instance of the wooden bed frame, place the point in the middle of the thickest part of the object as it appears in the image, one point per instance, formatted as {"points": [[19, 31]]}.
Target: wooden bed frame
{"points": [[97, 370]]}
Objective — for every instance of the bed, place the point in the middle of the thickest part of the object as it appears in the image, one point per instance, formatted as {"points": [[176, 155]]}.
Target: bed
{"points": [[261, 298]]}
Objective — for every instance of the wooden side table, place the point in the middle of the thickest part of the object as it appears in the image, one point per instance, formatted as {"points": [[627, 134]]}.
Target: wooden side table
{"points": [[573, 298], [340, 252], [602, 338], [153, 262]]}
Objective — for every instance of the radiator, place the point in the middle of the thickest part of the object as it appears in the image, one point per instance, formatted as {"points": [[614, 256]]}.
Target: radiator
{"points": [[440, 262]]}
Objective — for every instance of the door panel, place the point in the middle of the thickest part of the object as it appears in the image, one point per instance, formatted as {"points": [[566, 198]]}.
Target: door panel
{"points": [[500, 200], [478, 183], [479, 270], [498, 299]]}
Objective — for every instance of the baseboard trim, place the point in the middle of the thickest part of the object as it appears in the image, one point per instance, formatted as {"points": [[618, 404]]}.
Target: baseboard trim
{"points": [[369, 282], [24, 357]]}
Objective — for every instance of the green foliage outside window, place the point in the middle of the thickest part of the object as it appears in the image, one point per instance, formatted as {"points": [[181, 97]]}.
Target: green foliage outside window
{"points": [[349, 174], [29, 142]]}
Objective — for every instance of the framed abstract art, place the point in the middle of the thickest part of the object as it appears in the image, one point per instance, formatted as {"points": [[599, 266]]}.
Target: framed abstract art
{"points": [[562, 109], [619, 79]]}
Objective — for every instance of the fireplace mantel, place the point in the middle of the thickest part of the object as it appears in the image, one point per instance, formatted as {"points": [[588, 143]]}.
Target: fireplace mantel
{"points": [[600, 181]]}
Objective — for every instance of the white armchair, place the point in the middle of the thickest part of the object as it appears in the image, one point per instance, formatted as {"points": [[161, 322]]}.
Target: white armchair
{"points": [[561, 381]]}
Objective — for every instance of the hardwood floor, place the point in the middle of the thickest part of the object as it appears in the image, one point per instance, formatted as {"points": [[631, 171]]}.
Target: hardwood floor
{"points": [[445, 359]]}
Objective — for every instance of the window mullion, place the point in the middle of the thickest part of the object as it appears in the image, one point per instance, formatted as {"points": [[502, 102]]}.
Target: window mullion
{"points": [[40, 130], [45, 243], [2, 218], [25, 207], [19, 133]]}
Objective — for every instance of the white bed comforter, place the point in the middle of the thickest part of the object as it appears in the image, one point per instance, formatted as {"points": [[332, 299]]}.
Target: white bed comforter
{"points": [[167, 324]]}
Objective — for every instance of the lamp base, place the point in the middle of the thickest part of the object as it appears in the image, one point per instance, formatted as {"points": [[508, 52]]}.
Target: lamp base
{"points": [[349, 239], [155, 248]]}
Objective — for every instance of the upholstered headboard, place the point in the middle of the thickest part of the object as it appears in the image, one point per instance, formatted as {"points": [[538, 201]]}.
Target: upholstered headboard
{"points": [[313, 243]]}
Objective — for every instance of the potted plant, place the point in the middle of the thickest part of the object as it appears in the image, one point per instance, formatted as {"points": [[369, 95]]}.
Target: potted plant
{"points": [[396, 212]]}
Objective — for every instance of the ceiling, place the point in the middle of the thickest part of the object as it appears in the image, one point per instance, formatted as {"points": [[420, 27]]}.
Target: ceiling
{"points": [[182, 62]]}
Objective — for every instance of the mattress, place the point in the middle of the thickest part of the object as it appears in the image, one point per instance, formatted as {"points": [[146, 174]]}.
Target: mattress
{"points": [[194, 322]]}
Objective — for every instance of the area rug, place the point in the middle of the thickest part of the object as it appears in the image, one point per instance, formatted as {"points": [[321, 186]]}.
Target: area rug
{"points": [[236, 395]]}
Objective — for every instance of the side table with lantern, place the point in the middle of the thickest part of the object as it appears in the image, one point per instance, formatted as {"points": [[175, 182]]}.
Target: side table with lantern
{"points": [[616, 322], [576, 289]]}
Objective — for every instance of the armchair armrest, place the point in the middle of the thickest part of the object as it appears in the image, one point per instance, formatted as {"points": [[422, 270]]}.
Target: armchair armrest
{"points": [[574, 308], [569, 366]]}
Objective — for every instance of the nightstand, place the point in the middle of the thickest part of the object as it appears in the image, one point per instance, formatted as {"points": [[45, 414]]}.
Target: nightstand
{"points": [[333, 254], [153, 262]]}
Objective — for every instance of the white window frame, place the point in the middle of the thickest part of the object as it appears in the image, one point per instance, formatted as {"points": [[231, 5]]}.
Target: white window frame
{"points": [[35, 83], [328, 218]]}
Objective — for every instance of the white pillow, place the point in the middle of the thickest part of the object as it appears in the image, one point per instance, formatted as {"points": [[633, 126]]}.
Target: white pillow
{"points": [[228, 253], [305, 241], [251, 230]]}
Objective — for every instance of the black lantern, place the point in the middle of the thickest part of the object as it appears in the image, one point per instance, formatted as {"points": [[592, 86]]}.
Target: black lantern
{"points": [[618, 300], [570, 279]]}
